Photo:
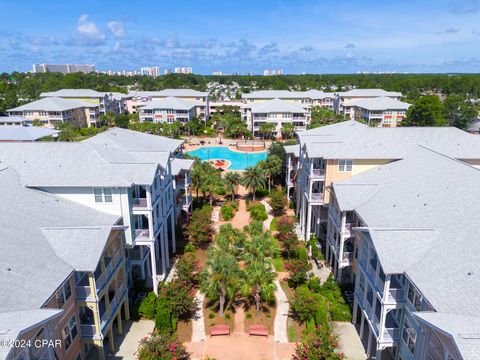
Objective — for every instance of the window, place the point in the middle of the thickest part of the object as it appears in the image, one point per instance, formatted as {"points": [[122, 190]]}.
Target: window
{"points": [[102, 195], [63, 294], [345, 165], [70, 332], [409, 336]]}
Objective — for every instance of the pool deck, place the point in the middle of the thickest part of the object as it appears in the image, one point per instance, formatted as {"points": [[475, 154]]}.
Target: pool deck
{"points": [[214, 142]]}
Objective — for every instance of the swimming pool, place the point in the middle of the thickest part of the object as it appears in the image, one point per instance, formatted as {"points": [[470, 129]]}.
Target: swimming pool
{"points": [[239, 160]]}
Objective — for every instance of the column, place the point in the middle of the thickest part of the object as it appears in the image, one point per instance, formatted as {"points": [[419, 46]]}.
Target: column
{"points": [[378, 354], [101, 352], [174, 240], [167, 255], [381, 326], [162, 244], [111, 342], [362, 325], [369, 346], [355, 311], [119, 323], [127, 309], [153, 263], [309, 222]]}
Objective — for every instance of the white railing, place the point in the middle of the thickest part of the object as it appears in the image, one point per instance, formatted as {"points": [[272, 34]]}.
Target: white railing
{"points": [[140, 203], [318, 172], [348, 229], [316, 197], [142, 234], [391, 334], [395, 295], [104, 319], [347, 255]]}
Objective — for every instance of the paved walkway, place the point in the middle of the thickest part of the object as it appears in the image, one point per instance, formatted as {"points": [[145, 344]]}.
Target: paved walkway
{"points": [[127, 344], [281, 316], [216, 218], [348, 341], [268, 208], [322, 273], [198, 323]]}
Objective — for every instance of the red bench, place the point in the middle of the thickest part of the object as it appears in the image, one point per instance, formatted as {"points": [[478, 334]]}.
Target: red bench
{"points": [[258, 330], [220, 330]]}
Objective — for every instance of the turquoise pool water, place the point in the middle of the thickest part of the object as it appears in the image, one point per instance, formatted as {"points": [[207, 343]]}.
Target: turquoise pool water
{"points": [[239, 160]]}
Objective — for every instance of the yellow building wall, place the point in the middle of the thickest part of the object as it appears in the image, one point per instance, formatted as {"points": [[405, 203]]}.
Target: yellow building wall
{"points": [[359, 165]]}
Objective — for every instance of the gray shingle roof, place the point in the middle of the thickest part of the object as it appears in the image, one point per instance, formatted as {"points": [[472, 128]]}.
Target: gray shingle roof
{"points": [[169, 103], [24, 133], [169, 92], [276, 105], [14, 323], [464, 330], [84, 93], [350, 140], [378, 104], [427, 190], [53, 104], [181, 164], [9, 119], [292, 149], [369, 93], [285, 94], [31, 268]]}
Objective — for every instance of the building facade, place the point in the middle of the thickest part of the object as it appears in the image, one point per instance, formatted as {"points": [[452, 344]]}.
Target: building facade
{"points": [[167, 110], [63, 68], [343, 100]]}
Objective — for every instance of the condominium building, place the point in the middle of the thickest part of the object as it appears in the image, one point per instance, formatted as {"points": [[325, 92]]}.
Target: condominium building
{"points": [[182, 183], [344, 99], [63, 281], [14, 121], [104, 100], [120, 172], [379, 111], [136, 99], [183, 70], [277, 112], [25, 133], [331, 153], [167, 110], [410, 225], [63, 68], [51, 111], [310, 97]]}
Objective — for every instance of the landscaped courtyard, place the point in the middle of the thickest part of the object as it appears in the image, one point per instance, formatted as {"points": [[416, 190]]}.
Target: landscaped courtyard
{"points": [[244, 277]]}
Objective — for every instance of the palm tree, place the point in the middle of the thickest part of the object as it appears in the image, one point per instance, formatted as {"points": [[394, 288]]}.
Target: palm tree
{"points": [[253, 179], [258, 248], [232, 180], [220, 280], [259, 283], [287, 130], [266, 129]]}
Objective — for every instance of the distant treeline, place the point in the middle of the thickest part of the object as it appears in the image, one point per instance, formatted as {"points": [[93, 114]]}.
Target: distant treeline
{"points": [[17, 88]]}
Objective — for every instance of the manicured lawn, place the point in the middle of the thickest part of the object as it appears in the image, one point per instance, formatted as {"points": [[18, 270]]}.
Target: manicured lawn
{"points": [[211, 317], [294, 328], [273, 224]]}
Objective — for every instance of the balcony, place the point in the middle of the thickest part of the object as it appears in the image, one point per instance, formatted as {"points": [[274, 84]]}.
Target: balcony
{"points": [[391, 334], [316, 197], [347, 231], [89, 331], [142, 234], [186, 201], [140, 204], [395, 296], [317, 173], [347, 256], [115, 303], [83, 292]]}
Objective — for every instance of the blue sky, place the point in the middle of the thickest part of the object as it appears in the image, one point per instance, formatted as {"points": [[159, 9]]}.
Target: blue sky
{"points": [[341, 36]]}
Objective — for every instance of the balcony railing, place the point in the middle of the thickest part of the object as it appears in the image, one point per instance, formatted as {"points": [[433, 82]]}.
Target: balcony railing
{"points": [[88, 331], [348, 229], [396, 296], [347, 256], [142, 234], [318, 197], [317, 172], [391, 334], [140, 203], [83, 292], [135, 254]]}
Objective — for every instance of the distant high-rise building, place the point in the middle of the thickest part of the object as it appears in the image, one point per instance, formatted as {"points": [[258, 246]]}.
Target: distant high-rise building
{"points": [[280, 72], [166, 71], [217, 73], [63, 68], [266, 72], [150, 71], [183, 70]]}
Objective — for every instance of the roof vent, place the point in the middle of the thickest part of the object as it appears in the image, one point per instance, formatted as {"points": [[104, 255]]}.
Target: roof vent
{"points": [[470, 273], [424, 204], [9, 269]]}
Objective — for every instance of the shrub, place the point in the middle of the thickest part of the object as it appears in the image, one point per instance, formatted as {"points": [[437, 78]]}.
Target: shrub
{"points": [[257, 211], [314, 285], [161, 347], [248, 316], [147, 306], [190, 248], [304, 304], [297, 269], [227, 316], [278, 202], [233, 204], [285, 224], [211, 316], [312, 242], [302, 253], [187, 269], [227, 212], [291, 205], [319, 345], [163, 318], [199, 230], [321, 316]]}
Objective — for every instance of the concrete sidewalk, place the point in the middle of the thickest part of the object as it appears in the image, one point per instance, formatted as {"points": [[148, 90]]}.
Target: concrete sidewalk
{"points": [[348, 341]]}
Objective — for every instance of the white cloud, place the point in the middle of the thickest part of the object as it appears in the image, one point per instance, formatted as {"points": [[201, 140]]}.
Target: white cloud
{"points": [[117, 29], [87, 33]]}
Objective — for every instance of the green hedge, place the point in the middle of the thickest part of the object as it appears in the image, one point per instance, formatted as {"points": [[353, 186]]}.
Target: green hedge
{"points": [[227, 212]]}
